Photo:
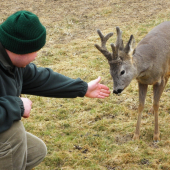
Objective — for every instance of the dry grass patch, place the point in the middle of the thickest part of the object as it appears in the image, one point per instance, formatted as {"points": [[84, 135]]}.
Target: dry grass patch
{"points": [[94, 134]]}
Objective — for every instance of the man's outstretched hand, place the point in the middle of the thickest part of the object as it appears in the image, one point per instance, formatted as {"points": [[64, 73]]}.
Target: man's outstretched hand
{"points": [[97, 90]]}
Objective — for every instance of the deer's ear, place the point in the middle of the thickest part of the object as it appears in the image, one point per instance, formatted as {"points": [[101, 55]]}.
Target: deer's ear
{"points": [[130, 46]]}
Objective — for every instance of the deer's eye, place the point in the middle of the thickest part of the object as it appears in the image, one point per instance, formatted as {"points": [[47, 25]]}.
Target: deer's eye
{"points": [[122, 72]]}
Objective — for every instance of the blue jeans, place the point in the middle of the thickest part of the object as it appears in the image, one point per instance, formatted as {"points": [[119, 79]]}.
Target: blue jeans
{"points": [[20, 150]]}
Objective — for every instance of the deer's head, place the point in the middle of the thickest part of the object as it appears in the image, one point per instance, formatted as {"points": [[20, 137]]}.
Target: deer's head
{"points": [[122, 68]]}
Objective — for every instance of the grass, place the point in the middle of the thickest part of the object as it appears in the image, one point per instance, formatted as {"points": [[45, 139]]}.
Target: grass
{"points": [[94, 134]]}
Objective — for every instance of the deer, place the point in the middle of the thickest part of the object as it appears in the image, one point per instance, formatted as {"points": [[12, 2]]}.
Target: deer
{"points": [[148, 63]]}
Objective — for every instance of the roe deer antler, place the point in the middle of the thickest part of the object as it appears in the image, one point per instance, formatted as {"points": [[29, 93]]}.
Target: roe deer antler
{"points": [[111, 57], [103, 49], [119, 41]]}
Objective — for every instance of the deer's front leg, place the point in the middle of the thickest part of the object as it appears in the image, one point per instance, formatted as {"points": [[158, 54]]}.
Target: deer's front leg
{"points": [[157, 92], [142, 96]]}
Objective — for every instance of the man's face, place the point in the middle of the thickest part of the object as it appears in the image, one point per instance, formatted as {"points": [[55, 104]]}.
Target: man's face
{"points": [[21, 60]]}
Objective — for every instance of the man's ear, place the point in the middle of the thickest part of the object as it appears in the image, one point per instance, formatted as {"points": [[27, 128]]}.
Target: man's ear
{"points": [[130, 46]]}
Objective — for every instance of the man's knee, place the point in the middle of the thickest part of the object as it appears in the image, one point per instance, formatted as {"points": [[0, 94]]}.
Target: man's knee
{"points": [[37, 151], [42, 149]]}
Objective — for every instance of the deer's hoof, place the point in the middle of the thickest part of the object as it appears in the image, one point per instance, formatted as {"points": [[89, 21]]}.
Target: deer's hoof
{"points": [[156, 141], [151, 111], [136, 137], [156, 137]]}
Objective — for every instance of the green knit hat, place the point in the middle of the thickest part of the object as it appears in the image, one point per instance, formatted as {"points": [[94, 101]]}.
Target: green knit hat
{"points": [[22, 33]]}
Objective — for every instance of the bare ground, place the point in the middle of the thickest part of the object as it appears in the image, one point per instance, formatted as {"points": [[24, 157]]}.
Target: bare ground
{"points": [[68, 20]]}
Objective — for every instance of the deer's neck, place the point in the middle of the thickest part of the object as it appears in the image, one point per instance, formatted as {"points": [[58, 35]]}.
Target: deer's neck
{"points": [[143, 67]]}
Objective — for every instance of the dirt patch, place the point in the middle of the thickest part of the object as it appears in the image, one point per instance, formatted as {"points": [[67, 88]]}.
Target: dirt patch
{"points": [[68, 20], [121, 139]]}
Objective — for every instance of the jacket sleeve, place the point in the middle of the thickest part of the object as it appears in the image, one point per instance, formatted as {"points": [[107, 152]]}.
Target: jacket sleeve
{"points": [[45, 82], [11, 109]]}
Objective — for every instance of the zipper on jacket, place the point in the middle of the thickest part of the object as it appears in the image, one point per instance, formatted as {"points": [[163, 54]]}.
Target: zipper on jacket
{"points": [[16, 80]]}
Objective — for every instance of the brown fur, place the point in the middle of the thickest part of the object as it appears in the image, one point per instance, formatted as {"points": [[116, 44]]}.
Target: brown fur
{"points": [[149, 63]]}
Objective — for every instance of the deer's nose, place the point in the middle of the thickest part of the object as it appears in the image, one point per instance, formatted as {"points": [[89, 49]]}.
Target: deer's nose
{"points": [[117, 91]]}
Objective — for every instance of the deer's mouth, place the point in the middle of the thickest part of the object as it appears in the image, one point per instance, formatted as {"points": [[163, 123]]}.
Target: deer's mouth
{"points": [[117, 91]]}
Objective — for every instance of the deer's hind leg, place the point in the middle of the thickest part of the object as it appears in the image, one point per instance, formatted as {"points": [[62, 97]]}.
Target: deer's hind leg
{"points": [[142, 95], [157, 92]]}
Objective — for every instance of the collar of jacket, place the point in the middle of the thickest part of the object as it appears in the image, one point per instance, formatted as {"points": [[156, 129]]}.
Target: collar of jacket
{"points": [[4, 58]]}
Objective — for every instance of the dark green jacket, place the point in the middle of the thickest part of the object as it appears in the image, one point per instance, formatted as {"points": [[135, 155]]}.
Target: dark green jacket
{"points": [[30, 80]]}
